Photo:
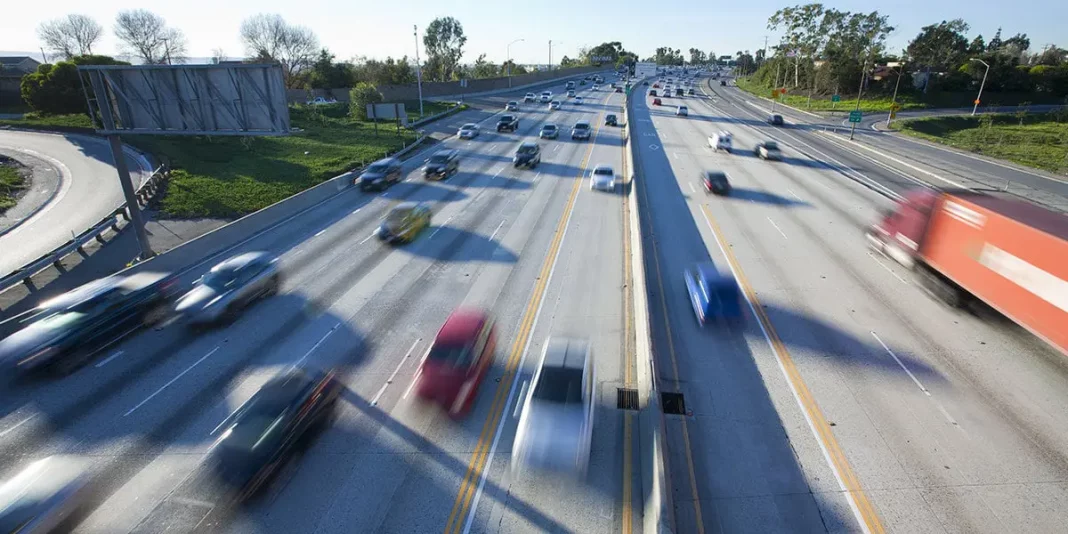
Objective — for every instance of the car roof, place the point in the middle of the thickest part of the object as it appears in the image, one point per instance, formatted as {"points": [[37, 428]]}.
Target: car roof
{"points": [[461, 327], [446, 152], [387, 161], [469, 125], [528, 144], [239, 261], [566, 353], [582, 122], [602, 166], [405, 206], [103, 285]]}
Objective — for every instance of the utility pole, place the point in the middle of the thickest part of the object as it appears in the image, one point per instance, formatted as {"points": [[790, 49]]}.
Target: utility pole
{"points": [[550, 55], [418, 68], [981, 85], [893, 99], [860, 91]]}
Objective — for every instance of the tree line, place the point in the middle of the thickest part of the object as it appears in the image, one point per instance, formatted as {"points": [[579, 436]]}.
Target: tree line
{"points": [[824, 50]]}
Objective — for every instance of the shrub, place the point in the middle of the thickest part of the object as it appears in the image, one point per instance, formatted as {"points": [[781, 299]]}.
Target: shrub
{"points": [[360, 95]]}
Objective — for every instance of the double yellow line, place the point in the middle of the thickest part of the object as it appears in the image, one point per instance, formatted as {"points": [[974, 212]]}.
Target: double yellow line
{"points": [[469, 485], [867, 515], [628, 333]]}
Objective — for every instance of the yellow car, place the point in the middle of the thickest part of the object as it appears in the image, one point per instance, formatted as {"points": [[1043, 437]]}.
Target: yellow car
{"points": [[404, 222]]}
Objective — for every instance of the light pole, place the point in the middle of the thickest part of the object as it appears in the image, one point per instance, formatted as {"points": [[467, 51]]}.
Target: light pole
{"points": [[551, 52], [981, 84], [893, 100], [418, 68], [508, 52]]}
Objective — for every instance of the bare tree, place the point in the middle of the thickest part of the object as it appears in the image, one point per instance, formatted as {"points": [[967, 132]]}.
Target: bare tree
{"points": [[73, 35], [146, 35], [269, 38], [218, 55]]}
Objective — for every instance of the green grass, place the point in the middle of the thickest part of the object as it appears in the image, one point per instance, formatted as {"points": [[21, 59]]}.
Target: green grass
{"points": [[1041, 142], [429, 108], [46, 122], [10, 184]]}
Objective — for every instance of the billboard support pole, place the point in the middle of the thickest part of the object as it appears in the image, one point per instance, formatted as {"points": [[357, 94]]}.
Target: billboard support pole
{"points": [[131, 197]]}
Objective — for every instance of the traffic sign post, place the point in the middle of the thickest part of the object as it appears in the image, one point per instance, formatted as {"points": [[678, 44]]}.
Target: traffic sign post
{"points": [[835, 99]]}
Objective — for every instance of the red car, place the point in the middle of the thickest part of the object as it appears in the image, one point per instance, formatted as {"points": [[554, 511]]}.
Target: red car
{"points": [[656, 101], [458, 361], [656, 86]]}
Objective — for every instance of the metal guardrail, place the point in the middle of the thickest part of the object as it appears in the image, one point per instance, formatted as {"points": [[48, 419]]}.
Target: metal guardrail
{"points": [[112, 221]]}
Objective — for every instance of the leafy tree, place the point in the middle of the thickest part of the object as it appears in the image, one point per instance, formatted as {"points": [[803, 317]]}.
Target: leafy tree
{"points": [[611, 50], [269, 38], [566, 62], [666, 55], [444, 41], [388, 72], [940, 46], [995, 44], [697, 57], [73, 35], [803, 36], [1051, 55], [516, 69], [56, 89], [483, 68], [360, 95], [146, 35], [977, 47], [327, 74]]}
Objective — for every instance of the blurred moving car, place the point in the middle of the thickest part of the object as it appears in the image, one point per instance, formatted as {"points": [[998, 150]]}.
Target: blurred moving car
{"points": [[529, 97], [257, 439], [403, 222], [556, 424], [713, 296], [571, 93], [679, 91], [595, 87], [442, 164], [715, 182], [549, 131], [64, 332], [720, 141], [775, 120], [230, 286], [514, 106], [656, 102], [652, 92], [723, 83], [462, 353], [603, 178], [611, 120], [682, 111], [768, 150], [527, 155], [619, 89], [554, 105], [690, 92], [380, 175], [581, 130], [41, 497], [546, 97], [468, 131]]}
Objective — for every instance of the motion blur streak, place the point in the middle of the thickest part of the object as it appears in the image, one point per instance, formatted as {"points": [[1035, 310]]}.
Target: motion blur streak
{"points": [[858, 500]]}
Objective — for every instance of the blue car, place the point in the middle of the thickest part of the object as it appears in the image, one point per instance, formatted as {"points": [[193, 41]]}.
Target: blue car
{"points": [[713, 295]]}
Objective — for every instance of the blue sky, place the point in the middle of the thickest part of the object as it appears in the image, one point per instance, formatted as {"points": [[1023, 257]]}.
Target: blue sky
{"points": [[380, 29]]}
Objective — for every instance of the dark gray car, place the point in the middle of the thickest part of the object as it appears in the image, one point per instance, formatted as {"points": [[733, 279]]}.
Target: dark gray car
{"points": [[380, 174], [230, 286]]}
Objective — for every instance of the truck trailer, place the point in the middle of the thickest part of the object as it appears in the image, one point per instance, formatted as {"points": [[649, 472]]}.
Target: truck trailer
{"points": [[995, 248]]}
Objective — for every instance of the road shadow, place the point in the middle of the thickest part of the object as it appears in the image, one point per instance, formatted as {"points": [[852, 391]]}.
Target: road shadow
{"points": [[763, 197], [460, 245], [417, 189]]}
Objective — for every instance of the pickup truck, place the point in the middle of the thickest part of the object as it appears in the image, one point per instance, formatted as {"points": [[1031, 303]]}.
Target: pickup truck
{"points": [[508, 122]]}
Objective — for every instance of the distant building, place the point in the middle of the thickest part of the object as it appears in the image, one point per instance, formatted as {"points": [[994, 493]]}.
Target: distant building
{"points": [[12, 69]]}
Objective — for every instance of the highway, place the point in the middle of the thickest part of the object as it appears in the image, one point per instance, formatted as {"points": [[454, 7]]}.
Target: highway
{"points": [[89, 189], [848, 400], [538, 248]]}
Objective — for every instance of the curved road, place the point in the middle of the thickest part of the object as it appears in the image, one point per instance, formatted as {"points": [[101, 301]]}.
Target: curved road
{"points": [[89, 189]]}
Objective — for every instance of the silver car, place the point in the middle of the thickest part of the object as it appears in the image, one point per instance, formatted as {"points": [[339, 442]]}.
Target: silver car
{"points": [[230, 286], [468, 131], [556, 426], [42, 496], [603, 178]]}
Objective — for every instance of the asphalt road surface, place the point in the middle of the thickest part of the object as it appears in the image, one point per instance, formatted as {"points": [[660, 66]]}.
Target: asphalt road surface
{"points": [[848, 400], [89, 189], [537, 248]]}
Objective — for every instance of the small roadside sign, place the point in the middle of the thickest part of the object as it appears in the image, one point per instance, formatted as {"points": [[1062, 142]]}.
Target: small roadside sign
{"points": [[836, 98], [774, 93], [783, 90], [855, 116], [895, 107], [977, 101]]}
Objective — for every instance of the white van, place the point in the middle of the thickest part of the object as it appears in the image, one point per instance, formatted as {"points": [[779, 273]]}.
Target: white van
{"points": [[720, 141], [546, 97]]}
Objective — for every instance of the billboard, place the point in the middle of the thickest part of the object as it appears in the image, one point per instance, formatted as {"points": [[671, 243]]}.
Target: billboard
{"points": [[645, 69], [387, 112], [228, 99]]}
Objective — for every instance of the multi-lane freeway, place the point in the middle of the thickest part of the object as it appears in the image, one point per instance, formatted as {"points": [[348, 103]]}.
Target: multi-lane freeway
{"points": [[847, 400]]}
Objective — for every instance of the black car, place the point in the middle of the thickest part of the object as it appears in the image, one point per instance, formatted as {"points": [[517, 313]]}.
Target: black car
{"points": [[63, 333], [527, 155], [610, 120], [441, 165], [775, 120], [715, 182], [258, 437], [508, 122], [645, 82], [380, 175], [723, 83]]}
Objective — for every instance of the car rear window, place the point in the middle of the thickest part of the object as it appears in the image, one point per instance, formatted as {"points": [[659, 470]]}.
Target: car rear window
{"points": [[582, 126], [468, 127], [559, 385], [507, 118], [549, 127], [603, 171], [771, 145], [454, 355], [439, 158]]}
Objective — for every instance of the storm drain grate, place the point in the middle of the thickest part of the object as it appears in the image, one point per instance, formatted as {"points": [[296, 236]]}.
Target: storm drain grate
{"points": [[626, 399], [673, 403]]}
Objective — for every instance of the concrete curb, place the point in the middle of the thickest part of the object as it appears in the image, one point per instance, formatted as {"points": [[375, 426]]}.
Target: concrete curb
{"points": [[658, 510]]}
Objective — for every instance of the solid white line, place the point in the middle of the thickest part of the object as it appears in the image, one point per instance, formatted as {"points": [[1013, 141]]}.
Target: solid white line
{"points": [[366, 238], [913, 167], [494, 234], [777, 227], [499, 171], [357, 210], [906, 369], [794, 194], [438, 229], [109, 358], [321, 232], [536, 177], [778, 358], [555, 148], [374, 400], [16, 425], [889, 270], [415, 379], [173, 380], [675, 155]]}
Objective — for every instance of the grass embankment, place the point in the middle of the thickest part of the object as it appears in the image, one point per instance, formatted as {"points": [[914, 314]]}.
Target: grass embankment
{"points": [[50, 122], [227, 177], [411, 107], [11, 183], [1040, 142], [798, 98]]}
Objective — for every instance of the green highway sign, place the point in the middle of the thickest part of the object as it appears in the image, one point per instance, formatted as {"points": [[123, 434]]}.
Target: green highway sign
{"points": [[855, 116], [836, 98]]}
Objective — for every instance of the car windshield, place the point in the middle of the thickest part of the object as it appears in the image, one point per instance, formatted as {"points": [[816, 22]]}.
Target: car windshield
{"points": [[61, 320], [527, 149], [582, 126], [454, 355], [559, 386], [771, 145], [610, 117], [549, 127], [468, 127], [218, 279], [507, 118], [603, 171], [377, 168], [716, 177], [439, 158]]}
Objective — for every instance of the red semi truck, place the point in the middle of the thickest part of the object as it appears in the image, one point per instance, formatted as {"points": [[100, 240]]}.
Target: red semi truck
{"points": [[1006, 252]]}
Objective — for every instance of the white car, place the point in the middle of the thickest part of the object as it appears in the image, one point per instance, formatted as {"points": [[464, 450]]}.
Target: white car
{"points": [[512, 106], [468, 131], [682, 111], [529, 97], [603, 178], [555, 428], [720, 141], [578, 100], [554, 105], [546, 97], [596, 87]]}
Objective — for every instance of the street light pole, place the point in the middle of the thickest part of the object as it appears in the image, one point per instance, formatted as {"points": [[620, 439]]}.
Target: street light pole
{"points": [[893, 100], [418, 68], [508, 52], [981, 84], [860, 91]]}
